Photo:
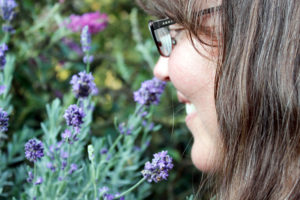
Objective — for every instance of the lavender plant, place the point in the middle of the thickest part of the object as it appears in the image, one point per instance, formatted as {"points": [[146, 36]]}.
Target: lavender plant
{"points": [[83, 157], [109, 165], [3, 120], [6, 75], [7, 13]]}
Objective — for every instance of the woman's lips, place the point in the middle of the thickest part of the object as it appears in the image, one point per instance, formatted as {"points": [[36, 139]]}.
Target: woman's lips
{"points": [[190, 111], [190, 117], [189, 107]]}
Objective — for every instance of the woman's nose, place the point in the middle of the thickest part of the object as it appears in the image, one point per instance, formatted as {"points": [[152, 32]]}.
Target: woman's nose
{"points": [[161, 70]]}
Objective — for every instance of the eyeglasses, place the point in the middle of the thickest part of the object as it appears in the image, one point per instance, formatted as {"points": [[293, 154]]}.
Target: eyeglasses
{"points": [[160, 32]]}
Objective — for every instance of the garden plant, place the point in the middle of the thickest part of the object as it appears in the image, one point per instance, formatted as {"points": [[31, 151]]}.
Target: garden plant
{"points": [[81, 116]]}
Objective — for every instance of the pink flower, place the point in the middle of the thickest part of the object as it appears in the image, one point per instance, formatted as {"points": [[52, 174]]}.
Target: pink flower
{"points": [[96, 21]]}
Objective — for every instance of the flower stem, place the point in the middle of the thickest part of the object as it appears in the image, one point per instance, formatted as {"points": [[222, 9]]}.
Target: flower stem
{"points": [[88, 67], [132, 188], [69, 151], [94, 179], [88, 63], [83, 191], [34, 178], [64, 172], [115, 143]]}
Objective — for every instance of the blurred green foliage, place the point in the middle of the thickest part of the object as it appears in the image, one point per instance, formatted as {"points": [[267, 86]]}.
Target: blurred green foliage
{"points": [[124, 57]]}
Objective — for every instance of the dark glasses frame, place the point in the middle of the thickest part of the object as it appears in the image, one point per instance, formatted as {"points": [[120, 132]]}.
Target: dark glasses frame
{"points": [[154, 25], [157, 24]]}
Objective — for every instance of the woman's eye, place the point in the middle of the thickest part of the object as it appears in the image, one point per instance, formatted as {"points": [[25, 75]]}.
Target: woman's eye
{"points": [[175, 31]]}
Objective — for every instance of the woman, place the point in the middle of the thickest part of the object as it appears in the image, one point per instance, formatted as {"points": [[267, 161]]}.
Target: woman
{"points": [[235, 64]]}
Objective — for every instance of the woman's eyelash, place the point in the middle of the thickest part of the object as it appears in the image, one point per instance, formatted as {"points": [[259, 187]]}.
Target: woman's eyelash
{"points": [[176, 29]]}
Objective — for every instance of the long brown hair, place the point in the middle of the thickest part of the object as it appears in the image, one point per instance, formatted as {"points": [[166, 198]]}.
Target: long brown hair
{"points": [[257, 93]]}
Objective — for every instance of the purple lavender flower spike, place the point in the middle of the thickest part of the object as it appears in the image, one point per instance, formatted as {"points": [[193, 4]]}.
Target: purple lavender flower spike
{"points": [[103, 190], [144, 114], [52, 148], [3, 49], [30, 177], [88, 59], [66, 135], [108, 196], [147, 143], [144, 123], [39, 181], [96, 22], [120, 198], [64, 155], [124, 130], [50, 153], [8, 29], [86, 39], [103, 151], [129, 131], [58, 145], [74, 116], [51, 167], [74, 137], [136, 148], [83, 85], [2, 89], [159, 168], [122, 127], [151, 126], [7, 9], [34, 150], [3, 120], [149, 92], [63, 164], [73, 168], [108, 157]]}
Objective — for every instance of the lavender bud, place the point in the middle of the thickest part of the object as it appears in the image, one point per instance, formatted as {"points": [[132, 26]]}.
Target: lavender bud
{"points": [[34, 150], [159, 168], [73, 168], [150, 92], [88, 59], [2, 89], [3, 49], [86, 39], [3, 120], [39, 181], [51, 167], [103, 150], [63, 164], [66, 135], [103, 190], [74, 116], [83, 85], [7, 9], [30, 177]]}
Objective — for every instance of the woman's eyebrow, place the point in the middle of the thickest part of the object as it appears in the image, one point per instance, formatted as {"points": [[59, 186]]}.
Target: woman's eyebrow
{"points": [[209, 10]]}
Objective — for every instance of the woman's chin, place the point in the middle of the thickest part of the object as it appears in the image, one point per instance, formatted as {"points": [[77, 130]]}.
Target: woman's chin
{"points": [[202, 159]]}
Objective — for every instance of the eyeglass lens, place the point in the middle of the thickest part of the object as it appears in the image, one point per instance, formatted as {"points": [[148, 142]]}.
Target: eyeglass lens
{"points": [[164, 40]]}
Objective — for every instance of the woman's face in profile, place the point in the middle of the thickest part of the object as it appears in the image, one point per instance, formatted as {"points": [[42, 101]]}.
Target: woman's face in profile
{"points": [[193, 77]]}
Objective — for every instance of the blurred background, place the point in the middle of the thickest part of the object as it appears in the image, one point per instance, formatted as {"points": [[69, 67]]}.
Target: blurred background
{"points": [[47, 53]]}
